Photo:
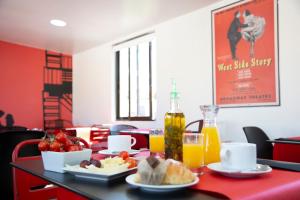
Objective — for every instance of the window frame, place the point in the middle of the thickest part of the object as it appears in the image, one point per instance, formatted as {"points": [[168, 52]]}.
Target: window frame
{"points": [[117, 89]]}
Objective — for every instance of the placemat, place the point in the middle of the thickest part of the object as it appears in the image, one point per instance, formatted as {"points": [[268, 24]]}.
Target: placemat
{"points": [[278, 184]]}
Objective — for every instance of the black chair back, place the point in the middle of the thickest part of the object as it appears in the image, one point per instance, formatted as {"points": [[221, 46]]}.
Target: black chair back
{"points": [[8, 141], [12, 129], [116, 128], [199, 124], [257, 136]]}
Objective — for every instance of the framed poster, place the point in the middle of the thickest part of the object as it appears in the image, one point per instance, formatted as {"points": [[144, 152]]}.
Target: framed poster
{"points": [[245, 54]]}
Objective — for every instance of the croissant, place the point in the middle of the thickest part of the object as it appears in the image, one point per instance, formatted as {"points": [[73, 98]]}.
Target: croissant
{"points": [[177, 173], [159, 171]]}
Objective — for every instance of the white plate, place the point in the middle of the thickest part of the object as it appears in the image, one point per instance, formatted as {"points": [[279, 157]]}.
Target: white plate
{"points": [[115, 153], [260, 170], [83, 173], [158, 188]]}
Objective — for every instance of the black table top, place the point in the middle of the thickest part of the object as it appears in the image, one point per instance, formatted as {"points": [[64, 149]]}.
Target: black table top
{"points": [[116, 190]]}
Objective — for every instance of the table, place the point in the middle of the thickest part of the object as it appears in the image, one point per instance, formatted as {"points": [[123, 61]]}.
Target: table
{"points": [[118, 190], [286, 149], [279, 184]]}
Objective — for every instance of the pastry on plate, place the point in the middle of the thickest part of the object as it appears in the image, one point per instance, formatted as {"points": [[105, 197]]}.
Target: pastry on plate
{"points": [[155, 171]]}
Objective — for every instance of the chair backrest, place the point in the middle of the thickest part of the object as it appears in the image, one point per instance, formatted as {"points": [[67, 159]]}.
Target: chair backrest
{"points": [[141, 140], [12, 129], [199, 124], [99, 135], [98, 138], [116, 128], [8, 141], [257, 136], [70, 132], [34, 187]]}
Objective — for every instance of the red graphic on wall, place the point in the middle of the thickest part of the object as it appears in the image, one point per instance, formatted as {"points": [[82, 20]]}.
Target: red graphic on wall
{"points": [[57, 93], [245, 54], [24, 88]]}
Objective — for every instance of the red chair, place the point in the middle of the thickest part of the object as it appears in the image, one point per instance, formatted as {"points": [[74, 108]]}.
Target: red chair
{"points": [[141, 140], [67, 131], [288, 151], [27, 186], [98, 138], [70, 132]]}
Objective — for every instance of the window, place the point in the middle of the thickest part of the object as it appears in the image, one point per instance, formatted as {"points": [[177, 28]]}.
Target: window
{"points": [[134, 79]]}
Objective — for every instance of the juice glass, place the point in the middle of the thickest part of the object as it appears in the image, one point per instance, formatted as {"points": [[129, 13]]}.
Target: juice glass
{"points": [[212, 147], [157, 142], [193, 151], [212, 142]]}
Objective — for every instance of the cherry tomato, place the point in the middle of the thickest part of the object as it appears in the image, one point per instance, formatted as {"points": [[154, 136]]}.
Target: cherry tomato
{"points": [[79, 147], [55, 146], [124, 155], [68, 144], [44, 145], [56, 131], [61, 137], [73, 148], [132, 162]]}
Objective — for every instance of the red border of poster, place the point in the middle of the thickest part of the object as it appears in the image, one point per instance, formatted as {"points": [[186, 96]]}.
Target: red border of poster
{"points": [[245, 54]]}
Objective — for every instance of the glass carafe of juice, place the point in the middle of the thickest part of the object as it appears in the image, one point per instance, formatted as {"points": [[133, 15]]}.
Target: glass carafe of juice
{"points": [[212, 143], [174, 128]]}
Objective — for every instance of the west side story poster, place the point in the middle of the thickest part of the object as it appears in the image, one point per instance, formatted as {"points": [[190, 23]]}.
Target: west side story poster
{"points": [[245, 54]]}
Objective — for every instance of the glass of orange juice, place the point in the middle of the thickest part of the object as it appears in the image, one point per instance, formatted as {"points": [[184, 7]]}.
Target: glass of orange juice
{"points": [[157, 142], [193, 151]]}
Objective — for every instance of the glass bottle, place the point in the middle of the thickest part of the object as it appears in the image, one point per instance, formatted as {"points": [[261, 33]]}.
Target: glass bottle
{"points": [[212, 143], [174, 127]]}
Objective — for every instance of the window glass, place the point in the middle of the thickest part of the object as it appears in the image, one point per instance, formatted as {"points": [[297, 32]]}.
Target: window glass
{"points": [[143, 81], [136, 97], [134, 80], [124, 83]]}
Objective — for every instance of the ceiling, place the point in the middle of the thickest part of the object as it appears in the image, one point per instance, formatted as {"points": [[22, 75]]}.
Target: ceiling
{"points": [[89, 22]]}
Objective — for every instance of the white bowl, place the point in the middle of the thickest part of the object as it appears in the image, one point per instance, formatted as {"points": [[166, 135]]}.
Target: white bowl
{"points": [[56, 161]]}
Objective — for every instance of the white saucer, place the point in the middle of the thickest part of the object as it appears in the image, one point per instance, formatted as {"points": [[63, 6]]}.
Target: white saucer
{"points": [[115, 153], [260, 170], [158, 188]]}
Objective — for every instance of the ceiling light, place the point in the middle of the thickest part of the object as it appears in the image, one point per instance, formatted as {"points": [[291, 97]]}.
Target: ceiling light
{"points": [[57, 22]]}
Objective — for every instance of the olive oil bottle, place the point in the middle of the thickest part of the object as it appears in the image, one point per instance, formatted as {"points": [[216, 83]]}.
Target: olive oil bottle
{"points": [[174, 127]]}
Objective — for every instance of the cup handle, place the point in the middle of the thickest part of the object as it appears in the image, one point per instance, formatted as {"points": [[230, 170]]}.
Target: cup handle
{"points": [[225, 154], [134, 141]]}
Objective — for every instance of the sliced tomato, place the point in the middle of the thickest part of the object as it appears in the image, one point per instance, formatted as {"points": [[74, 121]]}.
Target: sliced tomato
{"points": [[124, 155], [132, 162]]}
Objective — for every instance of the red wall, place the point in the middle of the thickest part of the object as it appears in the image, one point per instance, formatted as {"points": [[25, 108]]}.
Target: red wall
{"points": [[21, 84]]}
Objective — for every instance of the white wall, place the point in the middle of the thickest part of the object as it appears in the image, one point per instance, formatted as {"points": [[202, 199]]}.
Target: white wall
{"points": [[184, 52]]}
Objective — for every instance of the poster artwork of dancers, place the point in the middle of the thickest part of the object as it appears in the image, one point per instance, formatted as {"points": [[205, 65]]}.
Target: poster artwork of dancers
{"points": [[245, 54]]}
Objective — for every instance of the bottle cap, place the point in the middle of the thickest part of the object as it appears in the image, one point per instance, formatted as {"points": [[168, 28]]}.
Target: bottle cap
{"points": [[157, 131], [174, 93]]}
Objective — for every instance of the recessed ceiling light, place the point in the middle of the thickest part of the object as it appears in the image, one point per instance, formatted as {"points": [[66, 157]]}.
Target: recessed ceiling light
{"points": [[58, 22]]}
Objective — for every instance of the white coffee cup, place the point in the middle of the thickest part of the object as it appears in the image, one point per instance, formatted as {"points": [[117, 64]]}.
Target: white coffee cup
{"points": [[238, 156], [120, 142]]}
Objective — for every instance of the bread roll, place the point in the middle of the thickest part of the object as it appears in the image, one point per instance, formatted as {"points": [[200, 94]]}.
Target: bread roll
{"points": [[165, 172], [177, 173]]}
